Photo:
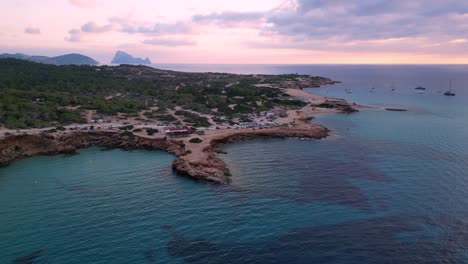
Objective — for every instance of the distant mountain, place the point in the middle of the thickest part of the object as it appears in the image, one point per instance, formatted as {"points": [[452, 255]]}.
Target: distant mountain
{"points": [[125, 58], [67, 59], [74, 58]]}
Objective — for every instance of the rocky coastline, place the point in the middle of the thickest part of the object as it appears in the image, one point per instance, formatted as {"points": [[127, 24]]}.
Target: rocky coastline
{"points": [[208, 166], [23, 146], [202, 165]]}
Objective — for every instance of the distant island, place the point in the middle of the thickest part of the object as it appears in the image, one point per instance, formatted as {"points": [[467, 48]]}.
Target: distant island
{"points": [[125, 58], [67, 59]]}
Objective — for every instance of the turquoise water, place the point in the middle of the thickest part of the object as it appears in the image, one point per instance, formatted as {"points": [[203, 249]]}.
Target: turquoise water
{"points": [[385, 187]]}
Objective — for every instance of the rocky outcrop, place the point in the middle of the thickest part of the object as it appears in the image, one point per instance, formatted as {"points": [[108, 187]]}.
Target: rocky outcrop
{"points": [[316, 132], [339, 104], [207, 166], [212, 169], [23, 146]]}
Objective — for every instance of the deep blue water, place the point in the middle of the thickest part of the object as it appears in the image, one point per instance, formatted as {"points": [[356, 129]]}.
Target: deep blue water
{"points": [[385, 187]]}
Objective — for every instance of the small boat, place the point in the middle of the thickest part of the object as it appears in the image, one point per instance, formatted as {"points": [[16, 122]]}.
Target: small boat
{"points": [[393, 86], [420, 88], [396, 109], [449, 92]]}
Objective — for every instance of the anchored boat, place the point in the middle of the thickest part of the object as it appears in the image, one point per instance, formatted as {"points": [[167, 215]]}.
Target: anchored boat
{"points": [[449, 92]]}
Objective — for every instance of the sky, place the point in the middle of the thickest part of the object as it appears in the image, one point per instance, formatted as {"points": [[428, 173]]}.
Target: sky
{"points": [[242, 31]]}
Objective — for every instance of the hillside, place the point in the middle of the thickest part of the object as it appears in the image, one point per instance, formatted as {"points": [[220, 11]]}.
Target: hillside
{"points": [[67, 59], [39, 95]]}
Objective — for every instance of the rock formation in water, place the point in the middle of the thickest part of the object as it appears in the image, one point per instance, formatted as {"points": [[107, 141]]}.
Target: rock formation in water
{"points": [[125, 58]]}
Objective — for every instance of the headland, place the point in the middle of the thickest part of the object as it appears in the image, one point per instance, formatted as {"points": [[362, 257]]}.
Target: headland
{"points": [[193, 117]]}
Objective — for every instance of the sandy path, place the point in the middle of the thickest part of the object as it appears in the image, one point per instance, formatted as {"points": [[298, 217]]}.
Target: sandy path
{"points": [[303, 95], [89, 115]]}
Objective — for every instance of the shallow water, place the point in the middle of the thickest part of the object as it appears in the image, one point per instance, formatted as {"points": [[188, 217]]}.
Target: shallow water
{"points": [[385, 187]]}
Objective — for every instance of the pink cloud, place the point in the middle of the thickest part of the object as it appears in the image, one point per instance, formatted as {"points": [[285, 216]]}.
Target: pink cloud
{"points": [[92, 27], [74, 35], [169, 42]]}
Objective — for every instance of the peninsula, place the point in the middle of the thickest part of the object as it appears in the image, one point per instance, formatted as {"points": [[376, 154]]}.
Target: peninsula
{"points": [[137, 107]]}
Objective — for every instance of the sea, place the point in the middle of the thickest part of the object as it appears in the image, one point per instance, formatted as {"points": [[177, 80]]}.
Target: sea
{"points": [[384, 187]]}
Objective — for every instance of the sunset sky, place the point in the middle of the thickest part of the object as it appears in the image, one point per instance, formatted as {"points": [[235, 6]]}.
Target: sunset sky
{"points": [[242, 31]]}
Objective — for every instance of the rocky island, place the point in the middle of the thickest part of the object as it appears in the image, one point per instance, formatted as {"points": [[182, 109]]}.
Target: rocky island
{"points": [[125, 58], [136, 107]]}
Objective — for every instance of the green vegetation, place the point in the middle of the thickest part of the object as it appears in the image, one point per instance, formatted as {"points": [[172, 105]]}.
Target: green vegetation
{"points": [[127, 128], [113, 107], [193, 119], [165, 118], [39, 95], [326, 105], [196, 140], [151, 131], [23, 109], [128, 134]]}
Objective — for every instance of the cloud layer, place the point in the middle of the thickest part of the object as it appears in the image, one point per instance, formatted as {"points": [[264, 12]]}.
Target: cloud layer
{"points": [[371, 19], [342, 25], [130, 26], [315, 21], [169, 42], [264, 29], [92, 27], [230, 18], [372, 25]]}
